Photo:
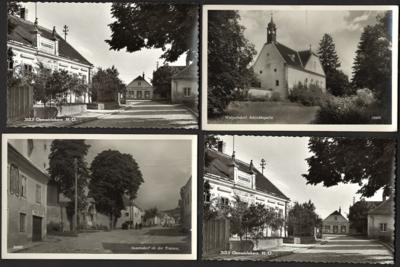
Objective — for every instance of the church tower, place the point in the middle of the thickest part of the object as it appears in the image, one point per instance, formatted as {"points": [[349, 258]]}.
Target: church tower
{"points": [[271, 31]]}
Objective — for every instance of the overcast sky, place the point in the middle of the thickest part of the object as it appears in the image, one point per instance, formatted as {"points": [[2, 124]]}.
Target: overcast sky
{"points": [[88, 28], [300, 29], [285, 157]]}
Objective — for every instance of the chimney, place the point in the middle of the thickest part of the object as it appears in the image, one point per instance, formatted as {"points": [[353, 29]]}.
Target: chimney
{"points": [[340, 210], [221, 146], [251, 166], [143, 75], [23, 13]]}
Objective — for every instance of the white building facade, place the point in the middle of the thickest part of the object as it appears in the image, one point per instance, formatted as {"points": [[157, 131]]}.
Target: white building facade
{"points": [[32, 45], [229, 177]]}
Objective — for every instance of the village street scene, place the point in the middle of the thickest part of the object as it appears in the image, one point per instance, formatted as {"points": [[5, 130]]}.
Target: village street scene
{"points": [[298, 65], [299, 199], [98, 196], [69, 70]]}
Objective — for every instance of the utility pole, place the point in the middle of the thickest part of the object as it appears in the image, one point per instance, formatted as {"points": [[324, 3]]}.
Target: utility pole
{"points": [[263, 164], [76, 195], [65, 31]]}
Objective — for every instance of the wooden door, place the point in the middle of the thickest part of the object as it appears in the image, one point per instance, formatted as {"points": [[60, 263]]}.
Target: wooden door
{"points": [[36, 228]]}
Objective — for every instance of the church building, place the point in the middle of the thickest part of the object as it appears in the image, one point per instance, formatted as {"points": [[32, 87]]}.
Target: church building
{"points": [[229, 177], [279, 67]]}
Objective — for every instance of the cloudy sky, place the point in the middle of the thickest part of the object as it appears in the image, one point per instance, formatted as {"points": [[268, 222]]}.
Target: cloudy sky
{"points": [[300, 29], [285, 157], [88, 28]]}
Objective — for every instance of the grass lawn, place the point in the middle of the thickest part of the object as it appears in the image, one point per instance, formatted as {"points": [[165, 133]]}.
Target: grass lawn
{"points": [[246, 112]]}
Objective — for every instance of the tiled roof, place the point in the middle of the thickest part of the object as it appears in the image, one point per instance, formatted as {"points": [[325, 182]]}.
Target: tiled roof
{"points": [[291, 56], [219, 164], [138, 78], [23, 33], [335, 213], [189, 72], [305, 56], [385, 208]]}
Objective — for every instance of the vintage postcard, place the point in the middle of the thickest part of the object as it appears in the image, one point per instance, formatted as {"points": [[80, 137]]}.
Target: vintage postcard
{"points": [[309, 68], [102, 65], [99, 196], [299, 199]]}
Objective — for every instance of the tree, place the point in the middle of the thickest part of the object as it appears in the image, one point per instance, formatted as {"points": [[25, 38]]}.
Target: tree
{"points": [[171, 27], [373, 61], [61, 161], [236, 214], [366, 162], [338, 84], [114, 175], [302, 219], [229, 56], [162, 81], [106, 84], [327, 54], [13, 8], [358, 216], [150, 213]]}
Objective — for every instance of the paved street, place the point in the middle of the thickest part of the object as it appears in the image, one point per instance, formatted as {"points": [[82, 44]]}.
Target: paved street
{"points": [[343, 249], [145, 114], [146, 240]]}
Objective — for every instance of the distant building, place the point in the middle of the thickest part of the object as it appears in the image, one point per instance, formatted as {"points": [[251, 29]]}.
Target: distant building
{"points": [[166, 220], [186, 205], [229, 177], [335, 223], [132, 213], [155, 220], [185, 84], [31, 45], [279, 68], [26, 196], [381, 220], [139, 89]]}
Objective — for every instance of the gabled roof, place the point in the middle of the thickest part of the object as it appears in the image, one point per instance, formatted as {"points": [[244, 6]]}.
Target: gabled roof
{"points": [[291, 56], [24, 33], [220, 164], [138, 78], [385, 208], [336, 213], [305, 56], [188, 72]]}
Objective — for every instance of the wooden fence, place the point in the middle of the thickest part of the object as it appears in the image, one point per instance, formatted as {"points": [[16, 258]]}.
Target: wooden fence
{"points": [[216, 233], [19, 102]]}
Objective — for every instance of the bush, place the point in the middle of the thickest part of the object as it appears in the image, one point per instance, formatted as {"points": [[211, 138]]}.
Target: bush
{"points": [[308, 96], [53, 227], [355, 109], [275, 97]]}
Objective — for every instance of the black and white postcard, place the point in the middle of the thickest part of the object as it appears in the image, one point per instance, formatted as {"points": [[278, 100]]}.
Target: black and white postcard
{"points": [[102, 65], [99, 196], [299, 199], [299, 67]]}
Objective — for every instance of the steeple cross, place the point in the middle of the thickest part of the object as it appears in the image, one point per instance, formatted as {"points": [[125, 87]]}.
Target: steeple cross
{"points": [[65, 31]]}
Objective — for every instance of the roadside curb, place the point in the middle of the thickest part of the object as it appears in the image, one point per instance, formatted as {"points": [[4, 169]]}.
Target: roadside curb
{"points": [[194, 113], [388, 247]]}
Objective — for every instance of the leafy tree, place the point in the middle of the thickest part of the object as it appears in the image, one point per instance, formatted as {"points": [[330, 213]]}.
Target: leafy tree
{"points": [[150, 213], [236, 214], [327, 54], [338, 84], [229, 56], [106, 84], [358, 216], [367, 162], [302, 219], [61, 161], [114, 175], [162, 81], [171, 27], [13, 8], [373, 61]]}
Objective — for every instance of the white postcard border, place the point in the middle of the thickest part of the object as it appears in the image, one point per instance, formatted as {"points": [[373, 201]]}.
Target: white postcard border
{"points": [[115, 256], [299, 127]]}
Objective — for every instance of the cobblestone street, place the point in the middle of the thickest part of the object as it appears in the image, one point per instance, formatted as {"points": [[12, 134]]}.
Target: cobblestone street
{"points": [[343, 249], [147, 240], [144, 114]]}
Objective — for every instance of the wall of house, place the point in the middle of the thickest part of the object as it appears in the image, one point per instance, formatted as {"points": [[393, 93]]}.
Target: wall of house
{"points": [[38, 155], [177, 90], [26, 204], [374, 230], [295, 76], [314, 65], [139, 86], [333, 221], [269, 68]]}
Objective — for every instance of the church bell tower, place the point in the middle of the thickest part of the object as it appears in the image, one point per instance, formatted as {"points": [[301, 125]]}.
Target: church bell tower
{"points": [[271, 31]]}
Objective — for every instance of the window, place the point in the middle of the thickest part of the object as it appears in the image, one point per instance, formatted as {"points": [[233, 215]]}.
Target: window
{"points": [[23, 186], [260, 71], [127, 214], [327, 228], [335, 218], [277, 82], [224, 201], [383, 227], [343, 229], [275, 70], [186, 91], [22, 222], [27, 68], [14, 177], [30, 146], [280, 213], [45, 146], [10, 64], [38, 194], [139, 84]]}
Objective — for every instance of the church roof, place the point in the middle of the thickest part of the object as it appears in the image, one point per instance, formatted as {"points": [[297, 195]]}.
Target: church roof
{"points": [[220, 164], [385, 208], [188, 72], [23, 33]]}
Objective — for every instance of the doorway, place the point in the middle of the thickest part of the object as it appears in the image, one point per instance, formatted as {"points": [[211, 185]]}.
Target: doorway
{"points": [[36, 228]]}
